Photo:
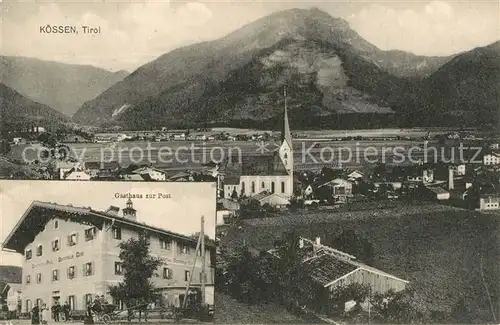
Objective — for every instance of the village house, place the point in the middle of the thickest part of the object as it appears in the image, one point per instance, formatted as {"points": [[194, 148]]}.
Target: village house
{"points": [[489, 201], [355, 175], [13, 300], [438, 193], [76, 174], [179, 136], [491, 158], [182, 177], [458, 169], [153, 173], [341, 189], [72, 253], [271, 199], [332, 268], [93, 168]]}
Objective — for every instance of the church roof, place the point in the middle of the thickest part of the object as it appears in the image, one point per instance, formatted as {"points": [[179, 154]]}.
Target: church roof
{"points": [[261, 165]]}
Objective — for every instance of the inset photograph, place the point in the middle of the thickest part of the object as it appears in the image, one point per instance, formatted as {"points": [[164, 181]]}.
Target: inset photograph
{"points": [[113, 251]]}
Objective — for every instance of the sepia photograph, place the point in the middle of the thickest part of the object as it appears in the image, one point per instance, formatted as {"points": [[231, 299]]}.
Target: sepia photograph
{"points": [[352, 149], [117, 252]]}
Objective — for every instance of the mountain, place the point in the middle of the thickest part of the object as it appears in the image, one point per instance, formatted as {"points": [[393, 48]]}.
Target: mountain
{"points": [[468, 86], [17, 109], [238, 80], [64, 87]]}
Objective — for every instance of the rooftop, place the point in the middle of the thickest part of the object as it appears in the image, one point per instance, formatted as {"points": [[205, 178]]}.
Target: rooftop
{"points": [[39, 213]]}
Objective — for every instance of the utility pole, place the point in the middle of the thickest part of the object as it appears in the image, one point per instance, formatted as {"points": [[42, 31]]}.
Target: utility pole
{"points": [[202, 240]]}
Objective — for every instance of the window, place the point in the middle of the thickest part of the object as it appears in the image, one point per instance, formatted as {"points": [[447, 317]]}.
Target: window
{"points": [[28, 306], [253, 187], [28, 279], [88, 299], [72, 239], [71, 272], [272, 187], [187, 275], [262, 185], [71, 302], [56, 224], [184, 249], [55, 245], [242, 187], [117, 233], [39, 278], [88, 269], [167, 273], [28, 254], [55, 275], [165, 243], [282, 187], [118, 268], [90, 233], [201, 276], [39, 250]]}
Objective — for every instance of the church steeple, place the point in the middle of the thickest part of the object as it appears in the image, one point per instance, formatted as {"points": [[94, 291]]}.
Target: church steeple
{"points": [[286, 148], [129, 212], [285, 129]]}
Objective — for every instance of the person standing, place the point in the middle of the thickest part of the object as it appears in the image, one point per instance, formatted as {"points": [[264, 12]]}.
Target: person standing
{"points": [[45, 314], [57, 311], [35, 315], [65, 309]]}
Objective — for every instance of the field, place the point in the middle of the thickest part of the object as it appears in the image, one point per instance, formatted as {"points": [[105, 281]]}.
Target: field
{"points": [[175, 155], [444, 252], [230, 311]]}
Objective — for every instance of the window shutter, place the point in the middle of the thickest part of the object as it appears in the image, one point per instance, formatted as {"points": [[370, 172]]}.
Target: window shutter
{"points": [[93, 268]]}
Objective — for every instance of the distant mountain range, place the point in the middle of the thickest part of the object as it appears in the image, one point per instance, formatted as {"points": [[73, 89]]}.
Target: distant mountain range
{"points": [[64, 87], [334, 77], [19, 110]]}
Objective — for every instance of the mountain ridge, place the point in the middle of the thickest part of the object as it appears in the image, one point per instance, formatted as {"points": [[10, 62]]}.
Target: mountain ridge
{"points": [[64, 87], [334, 69]]}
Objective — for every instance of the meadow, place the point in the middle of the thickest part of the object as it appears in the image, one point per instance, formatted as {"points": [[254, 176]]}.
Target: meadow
{"points": [[446, 253]]}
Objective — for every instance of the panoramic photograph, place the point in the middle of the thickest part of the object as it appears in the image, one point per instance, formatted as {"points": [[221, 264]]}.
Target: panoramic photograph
{"points": [[124, 252], [352, 149]]}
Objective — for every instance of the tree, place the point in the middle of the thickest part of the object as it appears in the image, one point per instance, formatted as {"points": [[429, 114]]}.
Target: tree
{"points": [[342, 294], [395, 307], [138, 268], [351, 242]]}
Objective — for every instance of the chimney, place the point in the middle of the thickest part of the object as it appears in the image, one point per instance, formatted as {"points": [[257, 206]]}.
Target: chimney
{"points": [[451, 184], [318, 241], [112, 210]]}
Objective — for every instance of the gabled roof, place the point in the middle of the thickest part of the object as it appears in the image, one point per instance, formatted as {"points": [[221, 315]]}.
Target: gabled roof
{"points": [[98, 165], [145, 170], [255, 165], [37, 215]]}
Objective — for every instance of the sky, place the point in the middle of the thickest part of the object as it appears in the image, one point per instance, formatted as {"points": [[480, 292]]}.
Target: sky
{"points": [[136, 32], [181, 213]]}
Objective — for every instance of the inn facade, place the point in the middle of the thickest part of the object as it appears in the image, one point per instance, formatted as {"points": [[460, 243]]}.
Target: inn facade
{"points": [[72, 254]]}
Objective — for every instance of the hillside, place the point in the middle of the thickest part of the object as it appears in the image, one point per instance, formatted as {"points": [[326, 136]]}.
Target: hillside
{"points": [[15, 108], [328, 67], [442, 251], [468, 85], [230, 311], [63, 87]]}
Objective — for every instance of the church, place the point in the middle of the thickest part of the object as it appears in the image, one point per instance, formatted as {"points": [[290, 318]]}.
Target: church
{"points": [[258, 174]]}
